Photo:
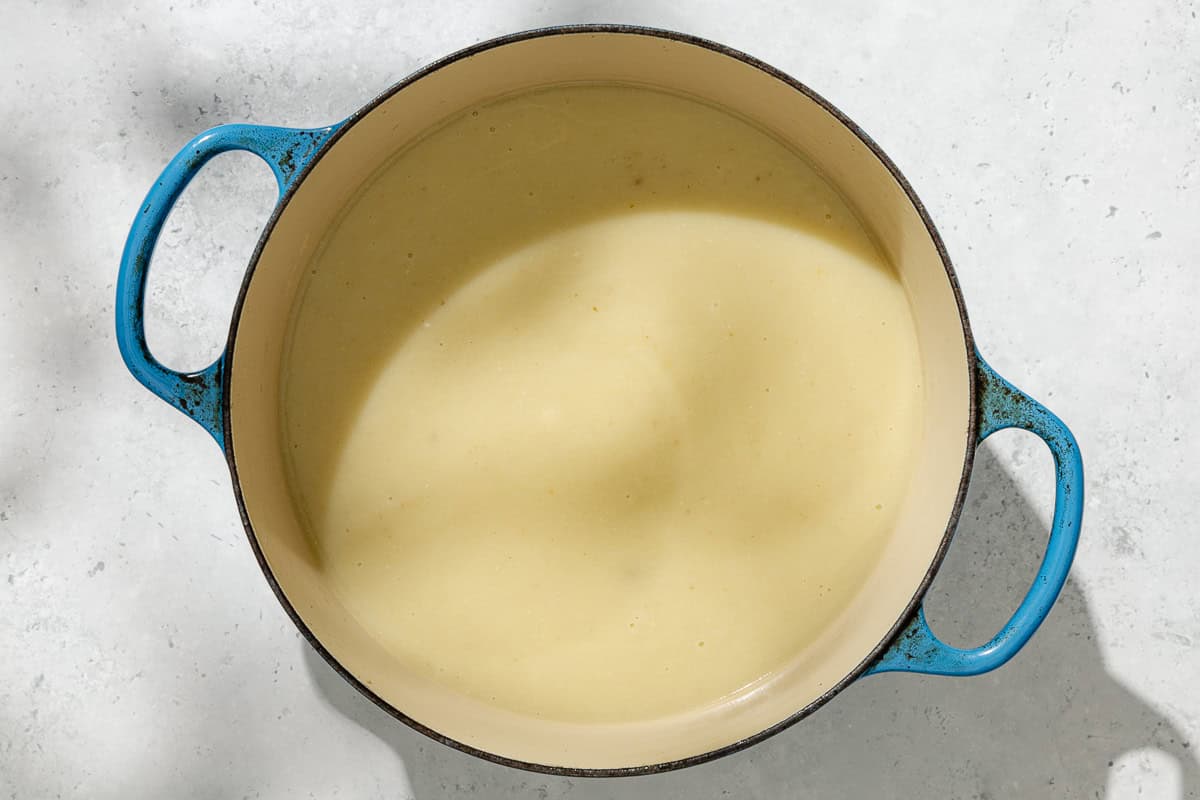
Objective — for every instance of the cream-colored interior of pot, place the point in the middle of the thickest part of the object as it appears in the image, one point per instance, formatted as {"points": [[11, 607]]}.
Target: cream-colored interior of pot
{"points": [[671, 65]]}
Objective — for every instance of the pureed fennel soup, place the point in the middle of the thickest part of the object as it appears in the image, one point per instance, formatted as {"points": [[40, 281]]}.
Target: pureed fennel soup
{"points": [[598, 403]]}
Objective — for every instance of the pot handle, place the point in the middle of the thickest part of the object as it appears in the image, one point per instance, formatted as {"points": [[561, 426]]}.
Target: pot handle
{"points": [[916, 648], [198, 394]]}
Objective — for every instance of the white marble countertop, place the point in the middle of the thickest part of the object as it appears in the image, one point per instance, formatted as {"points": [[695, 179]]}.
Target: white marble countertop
{"points": [[1056, 144]]}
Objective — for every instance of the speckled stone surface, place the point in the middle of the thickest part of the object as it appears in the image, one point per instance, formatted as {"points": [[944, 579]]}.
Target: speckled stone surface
{"points": [[1056, 144]]}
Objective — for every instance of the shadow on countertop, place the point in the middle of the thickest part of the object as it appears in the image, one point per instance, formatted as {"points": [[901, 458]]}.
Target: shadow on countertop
{"points": [[1050, 724]]}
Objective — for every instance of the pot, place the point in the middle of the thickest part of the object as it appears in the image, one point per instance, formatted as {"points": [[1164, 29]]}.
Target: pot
{"points": [[237, 398]]}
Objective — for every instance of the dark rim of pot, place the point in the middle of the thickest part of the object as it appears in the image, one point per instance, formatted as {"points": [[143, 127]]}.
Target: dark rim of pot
{"points": [[968, 459]]}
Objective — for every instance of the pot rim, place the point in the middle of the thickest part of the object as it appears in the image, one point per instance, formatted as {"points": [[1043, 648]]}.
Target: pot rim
{"points": [[968, 458]]}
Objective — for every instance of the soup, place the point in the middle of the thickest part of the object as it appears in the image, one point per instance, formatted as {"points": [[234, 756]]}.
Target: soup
{"points": [[599, 404]]}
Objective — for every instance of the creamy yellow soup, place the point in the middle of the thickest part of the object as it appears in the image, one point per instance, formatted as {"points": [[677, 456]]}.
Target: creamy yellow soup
{"points": [[598, 404]]}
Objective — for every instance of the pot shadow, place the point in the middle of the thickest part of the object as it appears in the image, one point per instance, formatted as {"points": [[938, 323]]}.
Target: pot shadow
{"points": [[1050, 724]]}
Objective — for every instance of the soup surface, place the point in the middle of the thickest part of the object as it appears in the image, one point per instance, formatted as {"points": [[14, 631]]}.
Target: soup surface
{"points": [[598, 404]]}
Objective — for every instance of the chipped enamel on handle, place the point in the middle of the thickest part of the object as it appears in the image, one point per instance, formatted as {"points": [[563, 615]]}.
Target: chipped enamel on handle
{"points": [[198, 394], [917, 648]]}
